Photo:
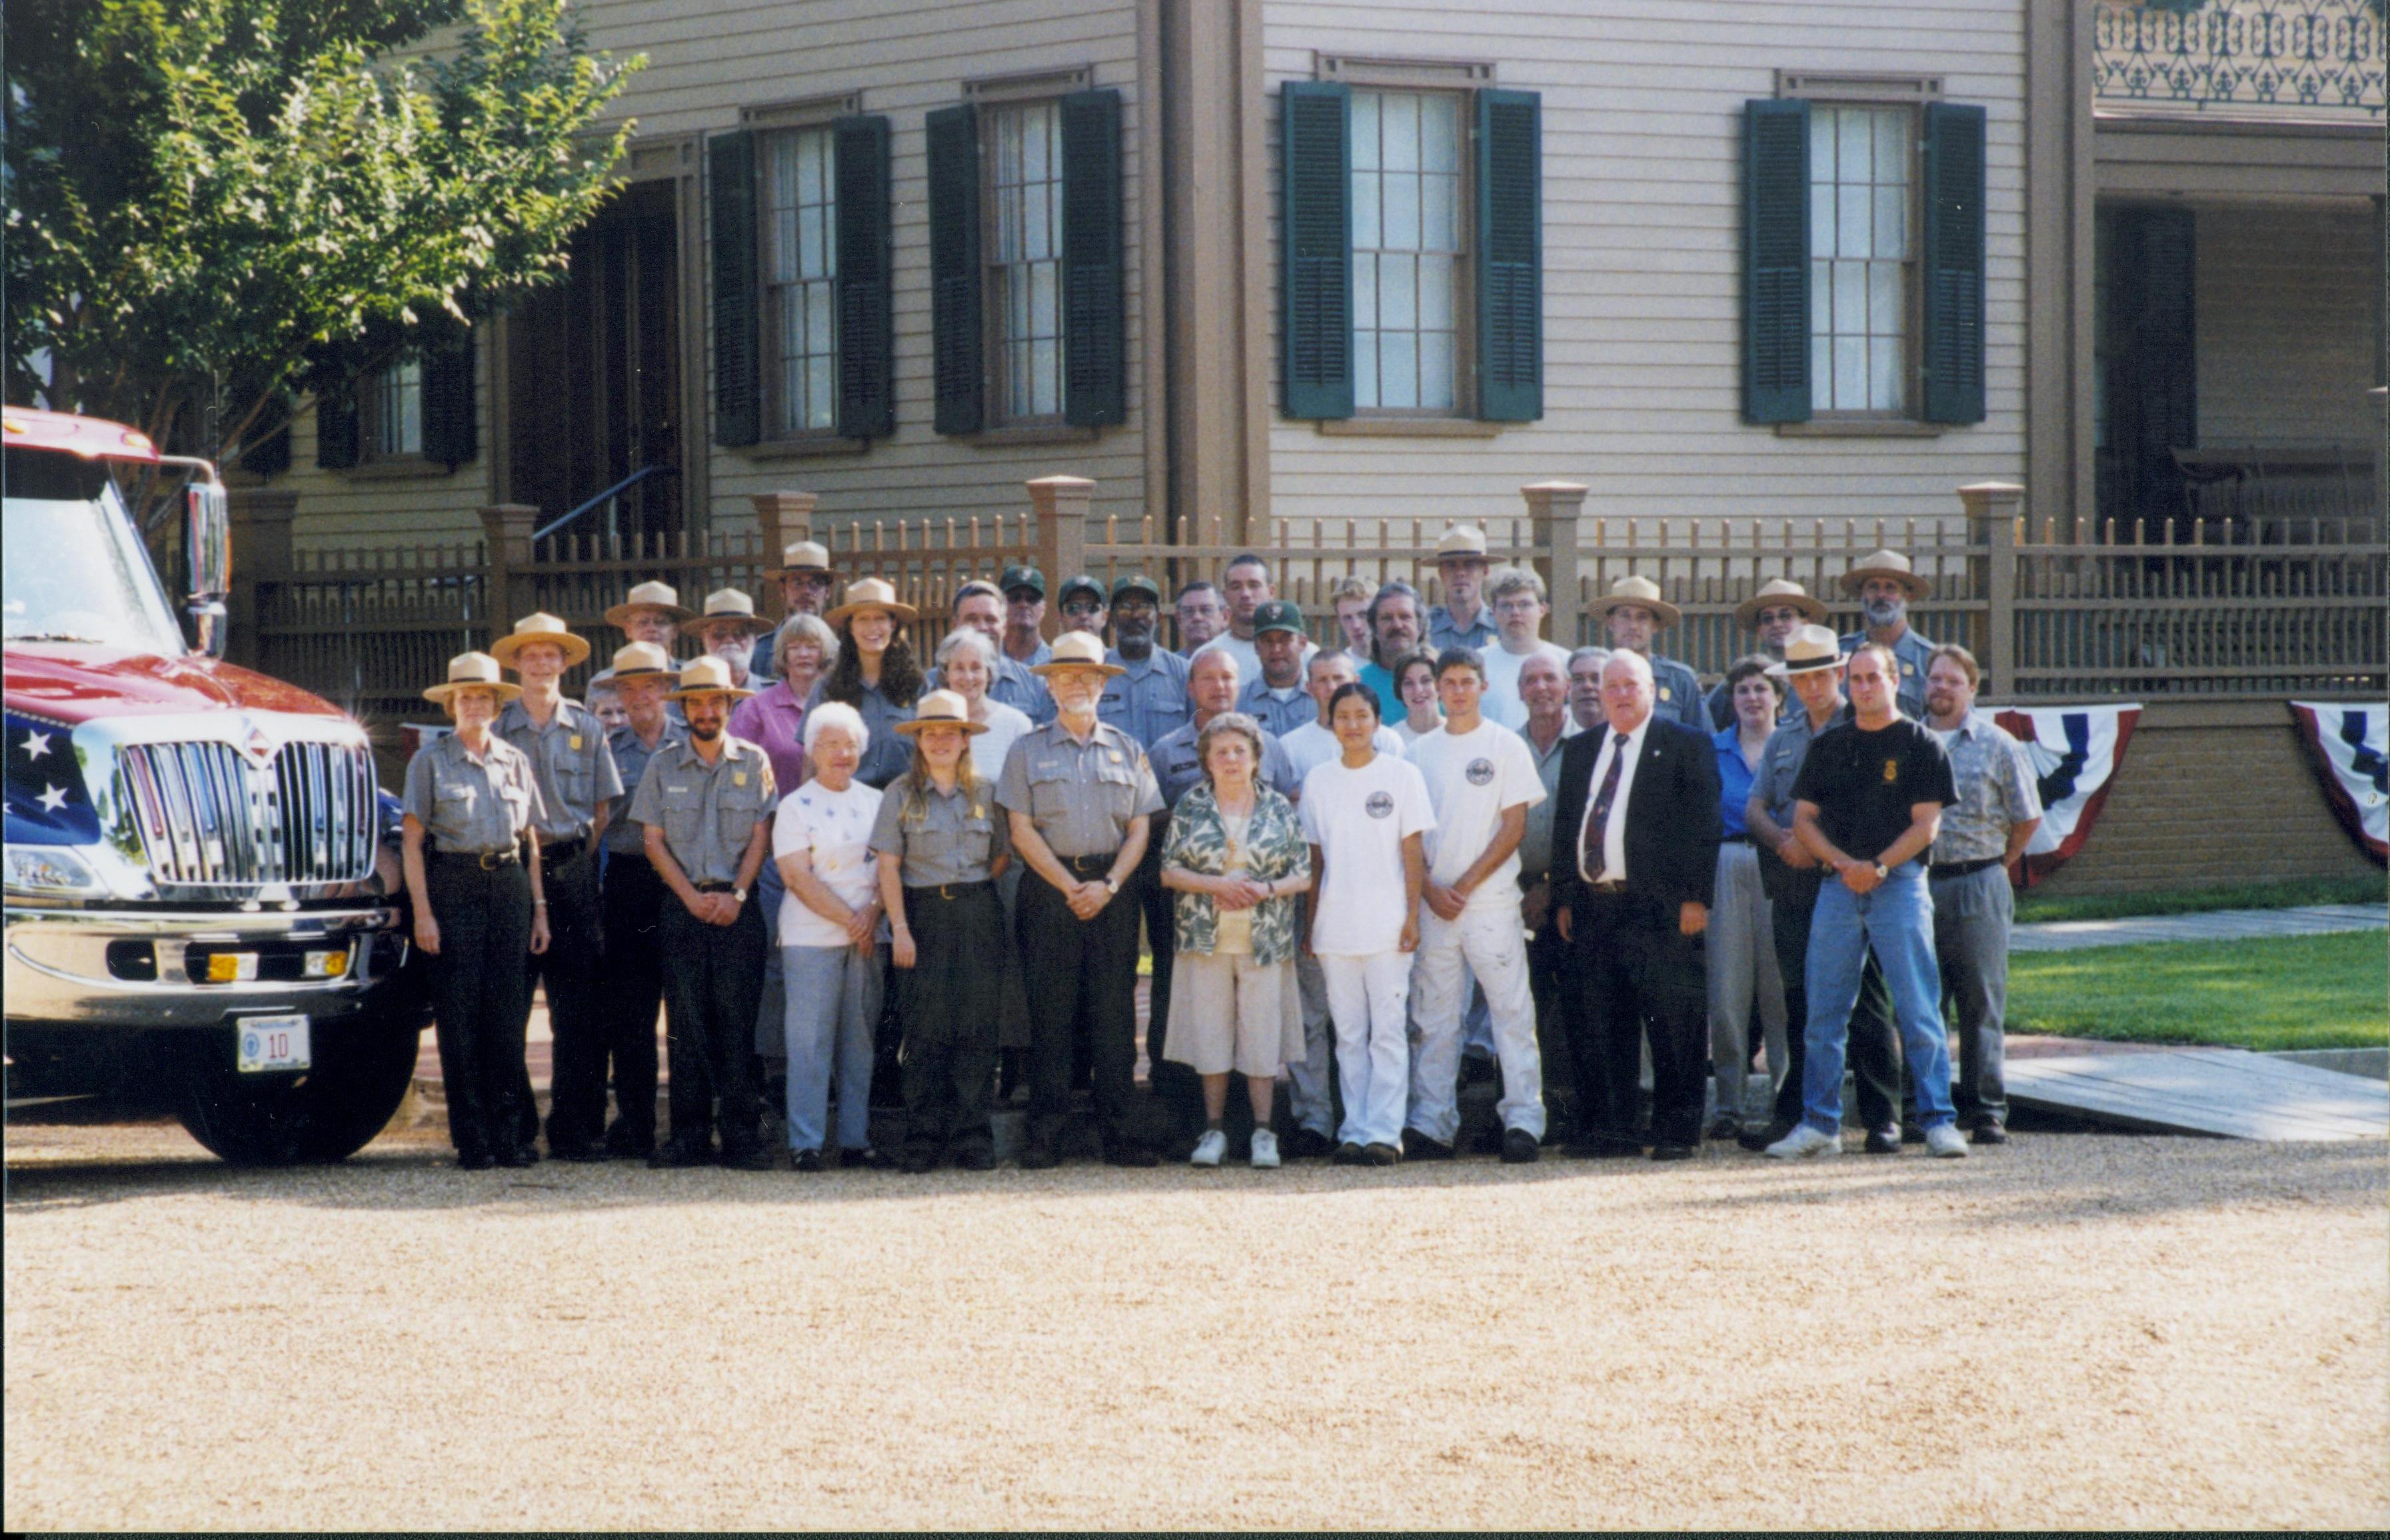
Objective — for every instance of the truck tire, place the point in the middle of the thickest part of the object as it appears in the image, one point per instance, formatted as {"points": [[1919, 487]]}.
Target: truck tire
{"points": [[361, 1073]]}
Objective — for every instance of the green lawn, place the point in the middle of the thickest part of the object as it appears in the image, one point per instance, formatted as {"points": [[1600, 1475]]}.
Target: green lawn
{"points": [[2248, 896], [2287, 992]]}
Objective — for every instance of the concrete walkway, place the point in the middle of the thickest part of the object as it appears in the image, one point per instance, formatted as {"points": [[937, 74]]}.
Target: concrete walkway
{"points": [[2068, 936]]}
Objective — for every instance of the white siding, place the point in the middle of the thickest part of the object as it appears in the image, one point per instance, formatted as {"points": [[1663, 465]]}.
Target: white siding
{"points": [[2286, 303], [1643, 114]]}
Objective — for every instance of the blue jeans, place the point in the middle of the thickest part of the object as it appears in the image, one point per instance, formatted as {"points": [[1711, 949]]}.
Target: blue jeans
{"points": [[833, 1006], [1897, 921]]}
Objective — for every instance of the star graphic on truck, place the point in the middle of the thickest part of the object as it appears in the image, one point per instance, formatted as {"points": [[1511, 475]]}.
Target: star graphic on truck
{"points": [[53, 798], [36, 744]]}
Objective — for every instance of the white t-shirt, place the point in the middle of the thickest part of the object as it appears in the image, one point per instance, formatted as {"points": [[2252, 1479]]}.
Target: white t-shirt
{"points": [[1005, 724], [834, 828], [1502, 703], [1248, 662], [1411, 735], [1472, 778], [1359, 819], [1312, 745]]}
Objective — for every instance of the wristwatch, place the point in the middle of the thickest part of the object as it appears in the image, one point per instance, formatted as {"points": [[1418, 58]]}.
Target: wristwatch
{"points": [[739, 894], [1880, 872], [1112, 886]]}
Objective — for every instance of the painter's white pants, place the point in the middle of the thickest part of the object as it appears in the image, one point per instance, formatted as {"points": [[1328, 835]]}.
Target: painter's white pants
{"points": [[1491, 944], [1370, 997]]}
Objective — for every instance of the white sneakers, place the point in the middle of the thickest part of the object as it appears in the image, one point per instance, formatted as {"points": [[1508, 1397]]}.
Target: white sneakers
{"points": [[1945, 1142], [1209, 1148], [1805, 1143], [1264, 1156]]}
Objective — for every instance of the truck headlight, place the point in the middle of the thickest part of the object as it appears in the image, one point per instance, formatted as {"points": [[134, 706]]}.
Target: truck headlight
{"points": [[51, 871]]}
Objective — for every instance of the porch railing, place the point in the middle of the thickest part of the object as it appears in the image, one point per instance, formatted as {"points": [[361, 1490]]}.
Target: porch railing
{"points": [[2299, 58]]}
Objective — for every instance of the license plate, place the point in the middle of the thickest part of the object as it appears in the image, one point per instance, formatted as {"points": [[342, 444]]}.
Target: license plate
{"points": [[270, 1043]]}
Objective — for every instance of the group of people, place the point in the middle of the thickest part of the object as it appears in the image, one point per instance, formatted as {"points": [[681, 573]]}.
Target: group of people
{"points": [[1445, 849]]}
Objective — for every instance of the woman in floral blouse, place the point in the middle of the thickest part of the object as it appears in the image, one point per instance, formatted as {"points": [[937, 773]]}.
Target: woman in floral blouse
{"points": [[1237, 858]]}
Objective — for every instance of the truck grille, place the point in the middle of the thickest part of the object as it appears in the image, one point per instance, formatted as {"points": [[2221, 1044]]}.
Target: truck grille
{"points": [[208, 816]]}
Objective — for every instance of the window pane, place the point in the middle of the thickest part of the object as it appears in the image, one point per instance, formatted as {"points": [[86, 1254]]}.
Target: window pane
{"points": [[1822, 298], [1366, 233], [809, 241], [1435, 293], [1853, 219], [1440, 133], [1365, 369], [1821, 370], [1398, 369], [1850, 296], [1850, 372], [1854, 162], [1436, 389], [1884, 298], [1036, 233], [1440, 213], [1821, 145], [818, 317], [1365, 291], [1044, 307], [1883, 373], [1365, 130], [1821, 218], [1891, 222], [1402, 126], [1045, 365], [1032, 142], [1397, 292], [1402, 212], [809, 168], [409, 437], [1891, 147]]}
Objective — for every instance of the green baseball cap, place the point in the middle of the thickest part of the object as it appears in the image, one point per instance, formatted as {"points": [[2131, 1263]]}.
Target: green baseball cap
{"points": [[1137, 583], [1022, 576], [1277, 615], [1082, 584]]}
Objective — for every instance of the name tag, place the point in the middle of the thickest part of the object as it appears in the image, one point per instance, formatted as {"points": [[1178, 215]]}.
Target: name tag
{"points": [[677, 790]]}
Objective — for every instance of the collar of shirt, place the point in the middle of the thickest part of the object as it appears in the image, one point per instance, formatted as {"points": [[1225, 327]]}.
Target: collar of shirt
{"points": [[1609, 743], [1974, 724], [569, 717]]}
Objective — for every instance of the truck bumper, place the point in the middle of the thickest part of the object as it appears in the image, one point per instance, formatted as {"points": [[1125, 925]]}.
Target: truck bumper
{"points": [[120, 969]]}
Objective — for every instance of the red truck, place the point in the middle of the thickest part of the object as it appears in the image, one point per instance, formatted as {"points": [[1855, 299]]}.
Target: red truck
{"points": [[203, 905]]}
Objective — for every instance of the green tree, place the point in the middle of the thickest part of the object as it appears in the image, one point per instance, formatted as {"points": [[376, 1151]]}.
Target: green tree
{"points": [[216, 205]]}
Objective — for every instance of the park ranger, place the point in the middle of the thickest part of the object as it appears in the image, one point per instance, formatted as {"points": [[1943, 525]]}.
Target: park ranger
{"points": [[1079, 794], [706, 808], [805, 578], [1886, 587], [631, 974], [1632, 613], [574, 765]]}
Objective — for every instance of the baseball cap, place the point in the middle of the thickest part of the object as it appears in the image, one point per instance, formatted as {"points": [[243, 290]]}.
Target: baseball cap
{"points": [[1277, 615], [1022, 576]]}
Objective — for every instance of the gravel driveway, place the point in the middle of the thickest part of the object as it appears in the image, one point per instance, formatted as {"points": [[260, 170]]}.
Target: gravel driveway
{"points": [[2075, 1331]]}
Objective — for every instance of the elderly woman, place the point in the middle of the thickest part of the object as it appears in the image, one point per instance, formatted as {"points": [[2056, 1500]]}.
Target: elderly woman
{"points": [[1236, 857], [830, 956], [773, 719], [1414, 674], [873, 671], [1742, 945], [941, 842], [471, 861], [966, 666]]}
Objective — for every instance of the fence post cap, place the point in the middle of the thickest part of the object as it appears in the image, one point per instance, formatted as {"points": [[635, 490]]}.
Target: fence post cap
{"points": [[1063, 483], [1556, 488], [1973, 490]]}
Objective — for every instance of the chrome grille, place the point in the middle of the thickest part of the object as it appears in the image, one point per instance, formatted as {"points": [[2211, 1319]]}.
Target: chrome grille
{"points": [[207, 817]]}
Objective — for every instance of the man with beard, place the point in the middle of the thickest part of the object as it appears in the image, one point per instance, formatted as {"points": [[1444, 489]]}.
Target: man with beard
{"points": [[1772, 615], [1885, 588], [1395, 623], [1277, 700], [728, 629], [1246, 580]]}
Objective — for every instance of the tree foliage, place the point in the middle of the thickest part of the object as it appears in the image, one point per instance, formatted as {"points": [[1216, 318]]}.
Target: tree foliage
{"points": [[215, 204]]}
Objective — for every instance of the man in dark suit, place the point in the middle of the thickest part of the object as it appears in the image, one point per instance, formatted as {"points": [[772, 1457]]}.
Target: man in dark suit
{"points": [[1635, 841]]}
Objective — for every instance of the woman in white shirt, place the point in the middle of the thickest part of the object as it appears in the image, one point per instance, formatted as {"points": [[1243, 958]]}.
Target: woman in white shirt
{"points": [[1415, 682], [966, 666], [831, 956], [1366, 816]]}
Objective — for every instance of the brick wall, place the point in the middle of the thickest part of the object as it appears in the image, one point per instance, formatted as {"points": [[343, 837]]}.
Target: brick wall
{"points": [[2212, 795]]}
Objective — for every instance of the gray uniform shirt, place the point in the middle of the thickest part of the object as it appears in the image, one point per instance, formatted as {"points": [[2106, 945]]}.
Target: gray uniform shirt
{"points": [[956, 839], [1914, 652], [1148, 703], [573, 761], [1176, 768], [1535, 845], [1079, 797], [1441, 633], [1011, 685], [631, 756], [1677, 695], [471, 807], [1997, 790], [1282, 714], [1779, 762], [708, 812]]}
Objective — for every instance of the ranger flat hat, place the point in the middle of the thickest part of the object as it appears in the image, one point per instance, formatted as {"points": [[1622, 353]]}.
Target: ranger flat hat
{"points": [[1775, 591], [1078, 649], [940, 708], [732, 604], [649, 595], [802, 556], [1632, 589], [1277, 615], [472, 671], [1460, 540], [1811, 648], [707, 675], [542, 627], [639, 660], [1886, 564], [871, 593]]}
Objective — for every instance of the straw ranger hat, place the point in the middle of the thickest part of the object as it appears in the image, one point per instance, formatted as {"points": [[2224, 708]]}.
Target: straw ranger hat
{"points": [[1811, 648], [1632, 589], [802, 556], [542, 627], [472, 671], [649, 595], [1775, 591], [730, 604], [1460, 541], [639, 661], [1078, 649], [1886, 564], [707, 675], [872, 593], [940, 708]]}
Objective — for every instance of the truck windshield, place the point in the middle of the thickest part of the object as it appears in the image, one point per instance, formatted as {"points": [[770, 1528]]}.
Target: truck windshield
{"points": [[75, 572]]}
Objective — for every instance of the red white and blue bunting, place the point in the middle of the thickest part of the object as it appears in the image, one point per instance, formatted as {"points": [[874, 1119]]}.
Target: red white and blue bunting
{"points": [[2351, 748], [2076, 751]]}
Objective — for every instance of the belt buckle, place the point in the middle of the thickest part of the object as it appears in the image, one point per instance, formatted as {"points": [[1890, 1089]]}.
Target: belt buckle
{"points": [[490, 860], [946, 890]]}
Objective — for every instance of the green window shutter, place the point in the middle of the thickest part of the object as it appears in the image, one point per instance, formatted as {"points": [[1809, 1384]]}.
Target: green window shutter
{"points": [[1511, 256], [1776, 261], [271, 454], [867, 331], [958, 344], [451, 433], [1315, 249], [1952, 268], [1095, 348], [337, 442], [738, 383]]}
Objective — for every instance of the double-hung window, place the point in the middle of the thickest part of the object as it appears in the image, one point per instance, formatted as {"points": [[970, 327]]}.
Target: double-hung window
{"points": [[1861, 258], [1410, 250], [391, 412], [1023, 243], [799, 227]]}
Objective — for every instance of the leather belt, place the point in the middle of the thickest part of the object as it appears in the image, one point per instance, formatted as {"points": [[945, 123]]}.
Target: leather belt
{"points": [[1740, 840], [555, 852], [1963, 868], [488, 860], [949, 891], [1606, 888]]}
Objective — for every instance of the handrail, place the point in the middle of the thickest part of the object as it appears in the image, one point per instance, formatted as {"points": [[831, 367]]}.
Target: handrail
{"points": [[620, 487]]}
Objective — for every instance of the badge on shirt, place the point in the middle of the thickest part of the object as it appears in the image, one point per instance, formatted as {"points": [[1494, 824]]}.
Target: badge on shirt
{"points": [[1115, 755], [1891, 771], [1907, 668], [575, 742], [739, 777], [1664, 692]]}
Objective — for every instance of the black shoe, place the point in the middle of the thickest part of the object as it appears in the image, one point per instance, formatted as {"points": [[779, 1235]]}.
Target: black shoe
{"points": [[1306, 1144], [1756, 1140], [1518, 1148], [1724, 1128], [1421, 1147], [1478, 1069], [1602, 1147], [1039, 1157], [474, 1159], [1380, 1155], [1349, 1154], [974, 1159], [1885, 1141], [522, 1157], [578, 1154], [1912, 1133], [918, 1163], [1990, 1132], [1134, 1155], [674, 1155], [1672, 1152], [866, 1158], [623, 1146], [756, 1158], [805, 1160]]}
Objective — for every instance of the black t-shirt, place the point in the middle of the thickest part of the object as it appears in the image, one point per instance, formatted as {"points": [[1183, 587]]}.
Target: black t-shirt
{"points": [[1864, 783]]}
